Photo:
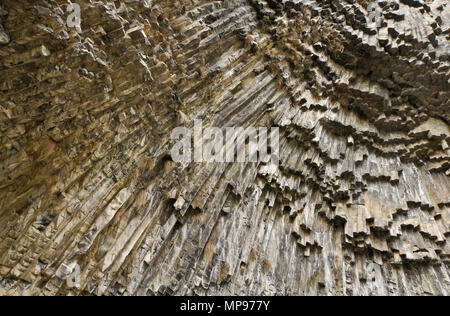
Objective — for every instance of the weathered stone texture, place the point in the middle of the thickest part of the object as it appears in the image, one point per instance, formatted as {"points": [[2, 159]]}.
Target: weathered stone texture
{"points": [[358, 206]]}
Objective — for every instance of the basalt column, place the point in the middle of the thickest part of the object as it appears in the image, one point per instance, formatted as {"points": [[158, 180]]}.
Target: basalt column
{"points": [[93, 203]]}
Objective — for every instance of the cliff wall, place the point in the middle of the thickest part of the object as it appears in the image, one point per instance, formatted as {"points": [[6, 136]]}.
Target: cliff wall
{"points": [[359, 204]]}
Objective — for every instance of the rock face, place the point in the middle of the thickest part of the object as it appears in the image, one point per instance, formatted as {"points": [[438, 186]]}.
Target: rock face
{"points": [[359, 204]]}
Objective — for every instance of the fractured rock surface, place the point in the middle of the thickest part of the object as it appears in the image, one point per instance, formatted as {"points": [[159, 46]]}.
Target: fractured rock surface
{"points": [[360, 204]]}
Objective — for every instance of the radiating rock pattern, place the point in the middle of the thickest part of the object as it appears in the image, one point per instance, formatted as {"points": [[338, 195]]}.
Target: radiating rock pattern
{"points": [[358, 206]]}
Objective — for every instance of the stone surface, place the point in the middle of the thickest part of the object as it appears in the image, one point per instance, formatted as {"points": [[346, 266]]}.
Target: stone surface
{"points": [[358, 206]]}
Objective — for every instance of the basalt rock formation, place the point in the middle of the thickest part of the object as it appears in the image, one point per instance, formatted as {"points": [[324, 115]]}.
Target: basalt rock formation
{"points": [[359, 204]]}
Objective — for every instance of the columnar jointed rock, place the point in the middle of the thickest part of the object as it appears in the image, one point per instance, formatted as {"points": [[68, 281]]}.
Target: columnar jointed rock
{"points": [[358, 206]]}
